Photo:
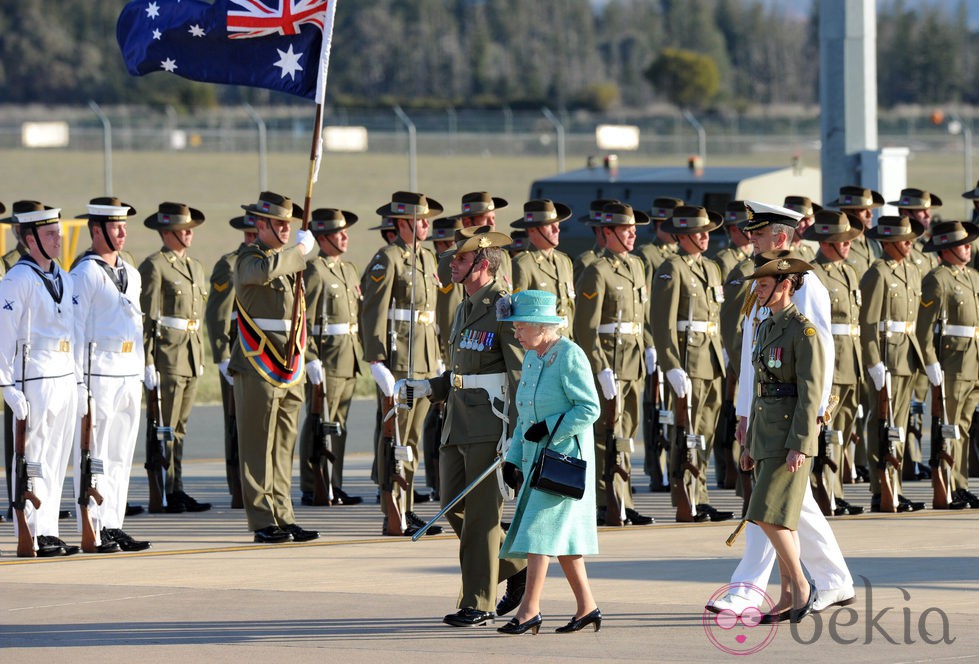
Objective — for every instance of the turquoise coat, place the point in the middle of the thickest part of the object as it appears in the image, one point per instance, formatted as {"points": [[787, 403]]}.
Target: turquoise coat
{"points": [[560, 382]]}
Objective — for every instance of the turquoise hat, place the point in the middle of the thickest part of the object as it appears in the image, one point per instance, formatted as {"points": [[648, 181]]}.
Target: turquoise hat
{"points": [[529, 306]]}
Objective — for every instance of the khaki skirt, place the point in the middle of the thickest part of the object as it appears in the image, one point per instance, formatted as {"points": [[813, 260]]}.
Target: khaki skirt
{"points": [[778, 494]]}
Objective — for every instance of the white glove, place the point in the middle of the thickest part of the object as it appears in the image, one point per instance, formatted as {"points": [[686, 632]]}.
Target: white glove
{"points": [[16, 401], [149, 377], [419, 388], [679, 381], [727, 358], [223, 368], [935, 374], [314, 372], [877, 373], [606, 379], [82, 400], [306, 240], [383, 377], [440, 368], [650, 360]]}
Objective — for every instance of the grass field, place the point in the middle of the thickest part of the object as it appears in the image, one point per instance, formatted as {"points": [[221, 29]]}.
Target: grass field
{"points": [[218, 183]]}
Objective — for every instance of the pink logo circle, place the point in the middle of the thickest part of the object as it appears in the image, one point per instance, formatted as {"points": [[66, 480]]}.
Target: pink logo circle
{"points": [[734, 625]]}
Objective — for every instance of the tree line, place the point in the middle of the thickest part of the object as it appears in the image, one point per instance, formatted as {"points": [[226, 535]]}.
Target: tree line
{"points": [[491, 53]]}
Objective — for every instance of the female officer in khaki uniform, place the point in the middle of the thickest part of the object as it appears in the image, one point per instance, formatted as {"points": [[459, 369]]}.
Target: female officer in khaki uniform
{"points": [[788, 359]]}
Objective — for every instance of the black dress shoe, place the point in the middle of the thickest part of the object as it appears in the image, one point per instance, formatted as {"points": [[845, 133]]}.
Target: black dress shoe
{"points": [[796, 615], [68, 549], [515, 587], [514, 627], [300, 534], [967, 496], [65, 514], [341, 497], [49, 547], [906, 505], [190, 504], [576, 624], [133, 510], [416, 521], [863, 473], [843, 507], [271, 535], [469, 618], [714, 514], [125, 542], [637, 519], [422, 497], [174, 504]]}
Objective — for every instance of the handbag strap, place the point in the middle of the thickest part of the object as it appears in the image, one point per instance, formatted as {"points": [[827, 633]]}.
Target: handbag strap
{"points": [[551, 436]]}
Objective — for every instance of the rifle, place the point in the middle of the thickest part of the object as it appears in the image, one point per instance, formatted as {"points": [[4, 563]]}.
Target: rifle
{"points": [[909, 470], [888, 435], [684, 491], [941, 461], [824, 459], [727, 424], [234, 460], [615, 505], [89, 466], [24, 470], [656, 439], [322, 449], [158, 439], [395, 523]]}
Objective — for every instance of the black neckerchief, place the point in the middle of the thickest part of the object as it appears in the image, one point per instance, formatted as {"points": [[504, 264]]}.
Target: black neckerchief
{"points": [[51, 280], [117, 275]]}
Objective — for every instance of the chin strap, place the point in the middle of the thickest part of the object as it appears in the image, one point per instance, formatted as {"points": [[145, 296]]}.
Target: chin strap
{"points": [[40, 245], [105, 234]]}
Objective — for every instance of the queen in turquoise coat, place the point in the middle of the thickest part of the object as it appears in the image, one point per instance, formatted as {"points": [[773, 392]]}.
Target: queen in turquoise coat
{"points": [[556, 395]]}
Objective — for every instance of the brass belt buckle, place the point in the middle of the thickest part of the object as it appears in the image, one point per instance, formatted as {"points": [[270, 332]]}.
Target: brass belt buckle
{"points": [[457, 381], [127, 347], [193, 325], [64, 346]]}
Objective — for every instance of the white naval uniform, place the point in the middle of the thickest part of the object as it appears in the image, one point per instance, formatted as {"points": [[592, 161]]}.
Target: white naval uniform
{"points": [[112, 320], [818, 547], [28, 312]]}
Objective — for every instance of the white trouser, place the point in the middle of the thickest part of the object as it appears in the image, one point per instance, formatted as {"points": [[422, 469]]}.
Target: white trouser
{"points": [[52, 424], [820, 553], [116, 415]]}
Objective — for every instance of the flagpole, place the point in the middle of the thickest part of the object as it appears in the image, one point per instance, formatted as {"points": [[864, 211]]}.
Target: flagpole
{"points": [[315, 154]]}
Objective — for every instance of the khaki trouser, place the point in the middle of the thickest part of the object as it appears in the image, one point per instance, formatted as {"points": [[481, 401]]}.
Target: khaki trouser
{"points": [[844, 416], [476, 521], [901, 388], [630, 393], [705, 406], [268, 422], [961, 397], [339, 393], [177, 394]]}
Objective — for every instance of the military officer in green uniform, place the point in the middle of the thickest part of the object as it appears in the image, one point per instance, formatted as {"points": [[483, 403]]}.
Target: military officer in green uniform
{"points": [[172, 301], [948, 332], [588, 256], [803, 249], [221, 320], [268, 374], [918, 204], [609, 325], [834, 233], [332, 311], [686, 298], [891, 290], [519, 242], [543, 266], [478, 388], [398, 327]]}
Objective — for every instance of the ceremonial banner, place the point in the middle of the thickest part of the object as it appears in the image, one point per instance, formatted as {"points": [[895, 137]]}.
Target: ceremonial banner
{"points": [[275, 44]]}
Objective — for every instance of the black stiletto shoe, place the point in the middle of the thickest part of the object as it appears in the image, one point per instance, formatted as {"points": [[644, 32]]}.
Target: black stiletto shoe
{"points": [[514, 627], [593, 618], [796, 615]]}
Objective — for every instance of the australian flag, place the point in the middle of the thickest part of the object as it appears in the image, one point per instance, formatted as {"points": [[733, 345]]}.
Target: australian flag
{"points": [[275, 44]]}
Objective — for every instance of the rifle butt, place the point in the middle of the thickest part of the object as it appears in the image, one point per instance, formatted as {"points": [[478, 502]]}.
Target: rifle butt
{"points": [[393, 519], [321, 493], [939, 492], [154, 478], [25, 541], [88, 530], [887, 503]]}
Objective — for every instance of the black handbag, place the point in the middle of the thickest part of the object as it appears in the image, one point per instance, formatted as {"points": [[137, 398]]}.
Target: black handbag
{"points": [[559, 474]]}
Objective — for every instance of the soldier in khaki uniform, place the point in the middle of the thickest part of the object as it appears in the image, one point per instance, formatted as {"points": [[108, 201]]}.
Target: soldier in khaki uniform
{"points": [[221, 320], [891, 290], [686, 298], [833, 232], [520, 243], [19, 249], [478, 389], [738, 249], [609, 323], [663, 245], [393, 342], [948, 332], [268, 375], [172, 301], [803, 249], [543, 266], [332, 311], [588, 256]]}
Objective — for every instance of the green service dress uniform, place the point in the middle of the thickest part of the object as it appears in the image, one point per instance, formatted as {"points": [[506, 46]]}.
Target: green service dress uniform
{"points": [[221, 320], [788, 361], [685, 317], [584, 259], [891, 293], [549, 271], [953, 292], [172, 300], [613, 305], [268, 392], [332, 310], [386, 329], [485, 359], [926, 262], [844, 296]]}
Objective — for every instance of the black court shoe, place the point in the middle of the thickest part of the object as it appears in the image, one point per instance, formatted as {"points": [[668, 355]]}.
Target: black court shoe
{"points": [[514, 627], [576, 624], [796, 615]]}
